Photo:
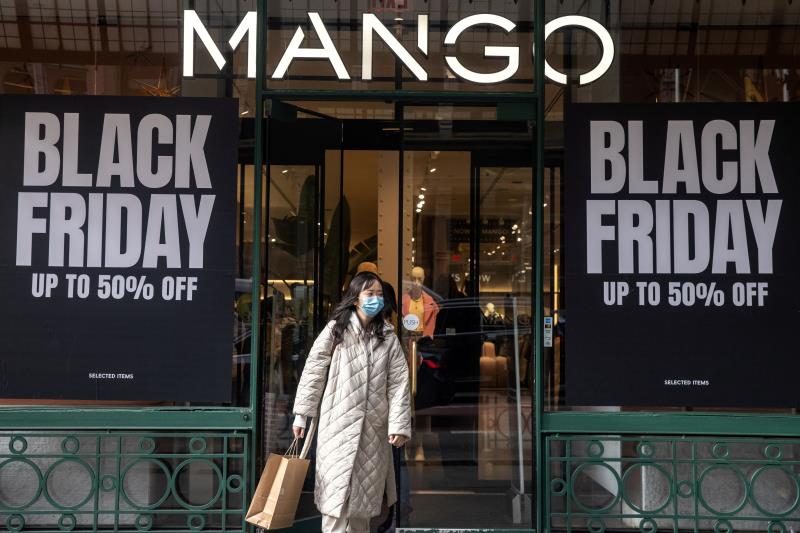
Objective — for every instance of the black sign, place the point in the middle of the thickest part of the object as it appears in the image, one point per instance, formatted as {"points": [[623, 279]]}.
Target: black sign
{"points": [[116, 247], [682, 263]]}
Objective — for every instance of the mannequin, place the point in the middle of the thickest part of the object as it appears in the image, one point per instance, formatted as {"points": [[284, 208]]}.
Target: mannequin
{"points": [[491, 315], [418, 302]]}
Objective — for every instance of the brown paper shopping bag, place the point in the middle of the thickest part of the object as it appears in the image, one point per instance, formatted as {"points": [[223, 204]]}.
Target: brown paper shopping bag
{"points": [[278, 492]]}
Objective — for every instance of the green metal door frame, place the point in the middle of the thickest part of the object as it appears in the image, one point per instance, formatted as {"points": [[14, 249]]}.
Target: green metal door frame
{"points": [[538, 278]]}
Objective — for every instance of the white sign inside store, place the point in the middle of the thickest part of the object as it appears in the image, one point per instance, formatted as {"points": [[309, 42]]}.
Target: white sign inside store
{"points": [[371, 26], [411, 322]]}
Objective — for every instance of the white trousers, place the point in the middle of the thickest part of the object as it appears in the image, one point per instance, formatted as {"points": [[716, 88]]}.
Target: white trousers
{"points": [[344, 524]]}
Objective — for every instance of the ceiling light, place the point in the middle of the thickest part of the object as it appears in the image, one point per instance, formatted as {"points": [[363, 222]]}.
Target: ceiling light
{"points": [[419, 210], [433, 170], [421, 196], [284, 171], [423, 189]]}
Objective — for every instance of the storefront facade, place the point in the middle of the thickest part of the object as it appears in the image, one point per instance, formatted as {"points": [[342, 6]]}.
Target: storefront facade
{"points": [[431, 142]]}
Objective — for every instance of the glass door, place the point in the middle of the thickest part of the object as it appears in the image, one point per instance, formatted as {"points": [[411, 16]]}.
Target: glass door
{"points": [[504, 273], [302, 163], [333, 210], [465, 305], [437, 200]]}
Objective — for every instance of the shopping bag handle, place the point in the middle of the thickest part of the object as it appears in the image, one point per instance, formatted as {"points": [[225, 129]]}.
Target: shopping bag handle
{"points": [[291, 451], [308, 438]]}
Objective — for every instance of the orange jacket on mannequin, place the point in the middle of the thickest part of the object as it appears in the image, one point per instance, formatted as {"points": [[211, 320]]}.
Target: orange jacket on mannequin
{"points": [[430, 310]]}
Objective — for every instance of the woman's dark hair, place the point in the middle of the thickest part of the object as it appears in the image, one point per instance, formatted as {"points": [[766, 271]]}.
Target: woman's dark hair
{"points": [[344, 310]]}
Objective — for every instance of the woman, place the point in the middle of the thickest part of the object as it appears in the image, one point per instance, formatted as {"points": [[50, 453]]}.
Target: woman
{"points": [[358, 362]]}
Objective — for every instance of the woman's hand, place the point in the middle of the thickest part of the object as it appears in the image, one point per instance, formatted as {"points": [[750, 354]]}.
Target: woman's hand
{"points": [[397, 440], [299, 432]]}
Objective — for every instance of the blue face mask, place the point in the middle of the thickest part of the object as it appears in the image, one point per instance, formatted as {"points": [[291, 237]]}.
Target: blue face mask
{"points": [[371, 305]]}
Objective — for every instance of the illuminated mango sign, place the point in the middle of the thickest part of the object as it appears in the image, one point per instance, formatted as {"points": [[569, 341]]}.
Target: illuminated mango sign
{"points": [[372, 27]]}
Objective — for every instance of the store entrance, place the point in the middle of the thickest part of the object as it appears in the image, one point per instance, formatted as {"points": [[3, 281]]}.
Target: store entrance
{"points": [[440, 201]]}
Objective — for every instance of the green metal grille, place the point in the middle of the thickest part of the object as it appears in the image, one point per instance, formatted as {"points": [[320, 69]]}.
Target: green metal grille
{"points": [[600, 483], [123, 481]]}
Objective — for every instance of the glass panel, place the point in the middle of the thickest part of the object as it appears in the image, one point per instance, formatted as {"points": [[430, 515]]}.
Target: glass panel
{"points": [[664, 53], [291, 278], [505, 281], [472, 448], [506, 266], [288, 299], [134, 49], [329, 211], [467, 227], [553, 299], [444, 346]]}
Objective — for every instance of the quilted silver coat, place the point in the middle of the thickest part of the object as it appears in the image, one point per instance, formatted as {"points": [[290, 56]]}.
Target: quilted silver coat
{"points": [[367, 398]]}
